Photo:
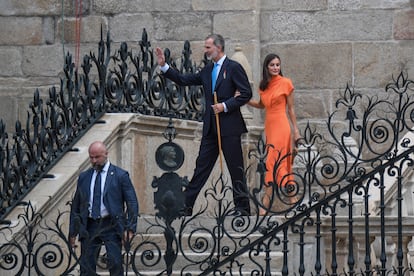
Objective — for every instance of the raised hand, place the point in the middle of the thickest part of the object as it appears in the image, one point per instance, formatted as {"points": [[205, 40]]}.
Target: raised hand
{"points": [[160, 56]]}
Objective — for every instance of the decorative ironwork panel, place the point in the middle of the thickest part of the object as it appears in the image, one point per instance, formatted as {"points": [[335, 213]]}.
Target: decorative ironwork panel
{"points": [[319, 223], [119, 81]]}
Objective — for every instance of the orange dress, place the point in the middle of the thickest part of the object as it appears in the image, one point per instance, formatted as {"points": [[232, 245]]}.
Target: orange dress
{"points": [[277, 130]]}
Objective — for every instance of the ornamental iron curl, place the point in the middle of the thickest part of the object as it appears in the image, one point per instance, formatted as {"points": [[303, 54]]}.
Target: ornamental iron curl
{"points": [[107, 82], [329, 228]]}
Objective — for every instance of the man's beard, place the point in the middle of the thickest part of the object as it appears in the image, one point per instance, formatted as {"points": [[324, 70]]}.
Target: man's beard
{"points": [[98, 167], [212, 56]]}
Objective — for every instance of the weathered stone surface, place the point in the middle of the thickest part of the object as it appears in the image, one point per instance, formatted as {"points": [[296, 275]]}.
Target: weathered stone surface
{"points": [[290, 26], [172, 5], [228, 5], [128, 6], [33, 82], [13, 58], [21, 31], [187, 26], [313, 66], [251, 51], [16, 104], [293, 5], [42, 60], [368, 4], [345, 5], [376, 63], [49, 30], [90, 29], [31, 7], [120, 6], [9, 101], [404, 25], [224, 23], [314, 105], [129, 27]]}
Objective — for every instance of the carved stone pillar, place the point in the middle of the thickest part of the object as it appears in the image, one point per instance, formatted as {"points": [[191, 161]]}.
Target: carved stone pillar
{"points": [[241, 58]]}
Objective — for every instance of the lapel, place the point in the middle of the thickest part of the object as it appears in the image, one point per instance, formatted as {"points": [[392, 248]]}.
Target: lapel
{"points": [[87, 185], [109, 178]]}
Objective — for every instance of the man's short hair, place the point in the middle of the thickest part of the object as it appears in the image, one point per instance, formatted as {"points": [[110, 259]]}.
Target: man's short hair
{"points": [[218, 40]]}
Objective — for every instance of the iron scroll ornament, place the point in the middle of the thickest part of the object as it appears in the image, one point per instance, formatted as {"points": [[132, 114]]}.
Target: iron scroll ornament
{"points": [[169, 196]]}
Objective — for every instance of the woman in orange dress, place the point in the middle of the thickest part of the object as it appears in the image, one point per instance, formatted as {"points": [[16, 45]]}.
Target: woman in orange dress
{"points": [[276, 97]]}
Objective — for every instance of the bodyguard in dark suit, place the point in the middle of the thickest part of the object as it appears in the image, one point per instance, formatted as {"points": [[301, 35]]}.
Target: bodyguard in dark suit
{"points": [[98, 212], [229, 77]]}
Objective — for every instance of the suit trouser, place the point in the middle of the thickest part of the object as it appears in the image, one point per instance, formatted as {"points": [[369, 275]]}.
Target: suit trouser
{"points": [[207, 157], [100, 232]]}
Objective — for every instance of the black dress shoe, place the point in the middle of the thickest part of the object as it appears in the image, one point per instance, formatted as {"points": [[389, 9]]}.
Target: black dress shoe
{"points": [[188, 211], [239, 212]]}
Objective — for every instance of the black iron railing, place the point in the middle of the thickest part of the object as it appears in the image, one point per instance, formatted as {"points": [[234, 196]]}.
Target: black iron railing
{"points": [[332, 227], [108, 82]]}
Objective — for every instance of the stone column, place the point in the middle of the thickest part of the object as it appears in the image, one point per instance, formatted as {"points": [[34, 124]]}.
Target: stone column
{"points": [[241, 58]]}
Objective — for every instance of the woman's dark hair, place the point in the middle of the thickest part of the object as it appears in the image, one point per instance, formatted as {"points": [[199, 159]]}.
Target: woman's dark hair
{"points": [[265, 73]]}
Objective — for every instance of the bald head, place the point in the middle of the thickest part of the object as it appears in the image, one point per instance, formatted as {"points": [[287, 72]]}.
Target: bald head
{"points": [[98, 155]]}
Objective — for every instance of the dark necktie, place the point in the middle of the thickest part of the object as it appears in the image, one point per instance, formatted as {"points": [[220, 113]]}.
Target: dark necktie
{"points": [[214, 76], [96, 204]]}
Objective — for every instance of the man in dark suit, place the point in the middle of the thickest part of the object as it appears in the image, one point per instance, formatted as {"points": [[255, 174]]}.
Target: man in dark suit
{"points": [[230, 77], [98, 212]]}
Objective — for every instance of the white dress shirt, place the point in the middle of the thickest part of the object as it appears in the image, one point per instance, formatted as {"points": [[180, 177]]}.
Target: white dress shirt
{"points": [[104, 211]]}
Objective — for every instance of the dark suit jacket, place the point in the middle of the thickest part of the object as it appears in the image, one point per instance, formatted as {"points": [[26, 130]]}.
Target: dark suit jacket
{"points": [[118, 194], [231, 77]]}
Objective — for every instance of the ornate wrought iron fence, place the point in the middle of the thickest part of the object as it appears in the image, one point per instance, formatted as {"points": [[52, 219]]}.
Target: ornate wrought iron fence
{"points": [[108, 82], [331, 227]]}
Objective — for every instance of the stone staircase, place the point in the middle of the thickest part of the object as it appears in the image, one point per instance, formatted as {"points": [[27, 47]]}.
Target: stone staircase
{"points": [[186, 258]]}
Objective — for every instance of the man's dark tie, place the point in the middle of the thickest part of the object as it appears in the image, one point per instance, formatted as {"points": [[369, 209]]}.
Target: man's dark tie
{"points": [[96, 204], [214, 76]]}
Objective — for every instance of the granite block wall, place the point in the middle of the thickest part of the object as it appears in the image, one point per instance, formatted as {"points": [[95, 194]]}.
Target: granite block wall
{"points": [[324, 44]]}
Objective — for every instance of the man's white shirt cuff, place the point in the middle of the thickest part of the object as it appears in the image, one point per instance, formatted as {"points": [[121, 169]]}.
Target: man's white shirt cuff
{"points": [[164, 68]]}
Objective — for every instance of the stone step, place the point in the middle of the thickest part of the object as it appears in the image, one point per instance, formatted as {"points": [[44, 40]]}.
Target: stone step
{"points": [[192, 273], [156, 236], [156, 225], [191, 258]]}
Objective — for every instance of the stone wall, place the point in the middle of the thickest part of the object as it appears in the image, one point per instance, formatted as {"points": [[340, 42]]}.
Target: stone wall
{"points": [[324, 44]]}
